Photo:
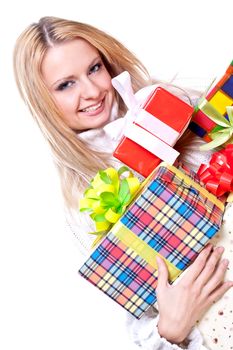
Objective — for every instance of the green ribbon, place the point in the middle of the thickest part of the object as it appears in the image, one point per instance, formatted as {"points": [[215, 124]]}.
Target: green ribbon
{"points": [[107, 197], [223, 131]]}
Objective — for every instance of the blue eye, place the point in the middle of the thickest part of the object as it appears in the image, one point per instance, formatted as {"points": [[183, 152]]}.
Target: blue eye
{"points": [[65, 85], [95, 68]]}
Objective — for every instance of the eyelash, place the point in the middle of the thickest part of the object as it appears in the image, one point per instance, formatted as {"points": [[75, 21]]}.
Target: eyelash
{"points": [[70, 83], [95, 68], [65, 85]]}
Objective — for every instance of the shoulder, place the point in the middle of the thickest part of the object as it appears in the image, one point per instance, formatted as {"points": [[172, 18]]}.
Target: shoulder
{"points": [[188, 95]]}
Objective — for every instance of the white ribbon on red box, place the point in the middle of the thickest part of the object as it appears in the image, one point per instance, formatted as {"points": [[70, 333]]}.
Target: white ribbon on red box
{"points": [[144, 128], [150, 142], [156, 127]]}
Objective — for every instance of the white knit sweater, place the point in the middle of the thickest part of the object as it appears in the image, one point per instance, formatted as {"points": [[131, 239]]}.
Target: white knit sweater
{"points": [[144, 331]]}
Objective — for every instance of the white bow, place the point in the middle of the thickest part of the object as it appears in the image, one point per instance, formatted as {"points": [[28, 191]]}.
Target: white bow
{"points": [[122, 83]]}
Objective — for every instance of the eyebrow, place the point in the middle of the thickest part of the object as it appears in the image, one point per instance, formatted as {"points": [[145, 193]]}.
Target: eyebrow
{"points": [[70, 77]]}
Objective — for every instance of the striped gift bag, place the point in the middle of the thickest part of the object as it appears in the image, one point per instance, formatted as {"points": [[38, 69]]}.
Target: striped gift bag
{"points": [[172, 216]]}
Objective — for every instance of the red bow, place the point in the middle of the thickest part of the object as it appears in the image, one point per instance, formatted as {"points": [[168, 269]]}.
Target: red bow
{"points": [[218, 174]]}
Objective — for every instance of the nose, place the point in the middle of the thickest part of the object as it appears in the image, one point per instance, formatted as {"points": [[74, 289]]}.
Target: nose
{"points": [[89, 89]]}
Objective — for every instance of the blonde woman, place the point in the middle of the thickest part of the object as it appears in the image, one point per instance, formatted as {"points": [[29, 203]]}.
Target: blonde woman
{"points": [[63, 71]]}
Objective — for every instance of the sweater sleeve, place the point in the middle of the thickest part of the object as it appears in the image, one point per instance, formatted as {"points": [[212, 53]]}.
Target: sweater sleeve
{"points": [[79, 225], [144, 333]]}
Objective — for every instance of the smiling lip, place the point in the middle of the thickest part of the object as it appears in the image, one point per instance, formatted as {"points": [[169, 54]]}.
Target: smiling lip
{"points": [[94, 109]]}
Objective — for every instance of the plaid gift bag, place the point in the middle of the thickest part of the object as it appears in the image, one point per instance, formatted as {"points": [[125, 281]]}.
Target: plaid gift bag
{"points": [[172, 216]]}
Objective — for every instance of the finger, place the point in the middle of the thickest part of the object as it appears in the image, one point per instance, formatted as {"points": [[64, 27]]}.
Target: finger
{"points": [[220, 291], [210, 266], [198, 265], [162, 273], [216, 278]]}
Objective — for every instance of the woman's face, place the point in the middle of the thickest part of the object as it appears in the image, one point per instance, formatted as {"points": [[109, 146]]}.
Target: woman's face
{"points": [[80, 84]]}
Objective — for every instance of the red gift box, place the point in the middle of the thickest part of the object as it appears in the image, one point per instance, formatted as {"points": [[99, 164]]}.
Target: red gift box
{"points": [[153, 133]]}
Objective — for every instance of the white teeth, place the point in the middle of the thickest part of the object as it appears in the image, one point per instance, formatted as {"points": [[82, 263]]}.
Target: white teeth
{"points": [[92, 108]]}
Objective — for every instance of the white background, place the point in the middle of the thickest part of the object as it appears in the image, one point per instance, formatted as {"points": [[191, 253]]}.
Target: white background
{"points": [[43, 302]]}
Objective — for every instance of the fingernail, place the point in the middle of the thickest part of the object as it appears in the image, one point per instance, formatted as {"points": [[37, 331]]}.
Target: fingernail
{"points": [[220, 250], [209, 246]]}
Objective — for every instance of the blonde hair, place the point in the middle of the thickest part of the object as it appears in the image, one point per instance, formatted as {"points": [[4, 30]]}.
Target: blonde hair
{"points": [[76, 161]]}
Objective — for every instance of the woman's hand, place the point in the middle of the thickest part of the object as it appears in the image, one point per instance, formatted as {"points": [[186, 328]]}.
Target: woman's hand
{"points": [[182, 304]]}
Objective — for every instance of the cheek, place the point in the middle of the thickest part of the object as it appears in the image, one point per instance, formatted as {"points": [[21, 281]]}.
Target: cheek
{"points": [[107, 82], [66, 102], [111, 91]]}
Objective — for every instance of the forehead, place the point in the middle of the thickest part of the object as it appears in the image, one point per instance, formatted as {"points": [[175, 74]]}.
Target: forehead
{"points": [[61, 59]]}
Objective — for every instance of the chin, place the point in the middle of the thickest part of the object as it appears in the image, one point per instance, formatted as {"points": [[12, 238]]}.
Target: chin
{"points": [[101, 122], [93, 122]]}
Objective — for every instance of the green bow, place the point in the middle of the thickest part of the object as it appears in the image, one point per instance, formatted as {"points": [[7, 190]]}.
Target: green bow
{"points": [[107, 198], [223, 131]]}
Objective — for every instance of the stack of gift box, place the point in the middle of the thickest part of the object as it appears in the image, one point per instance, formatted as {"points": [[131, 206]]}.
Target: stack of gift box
{"points": [[219, 97], [172, 215]]}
